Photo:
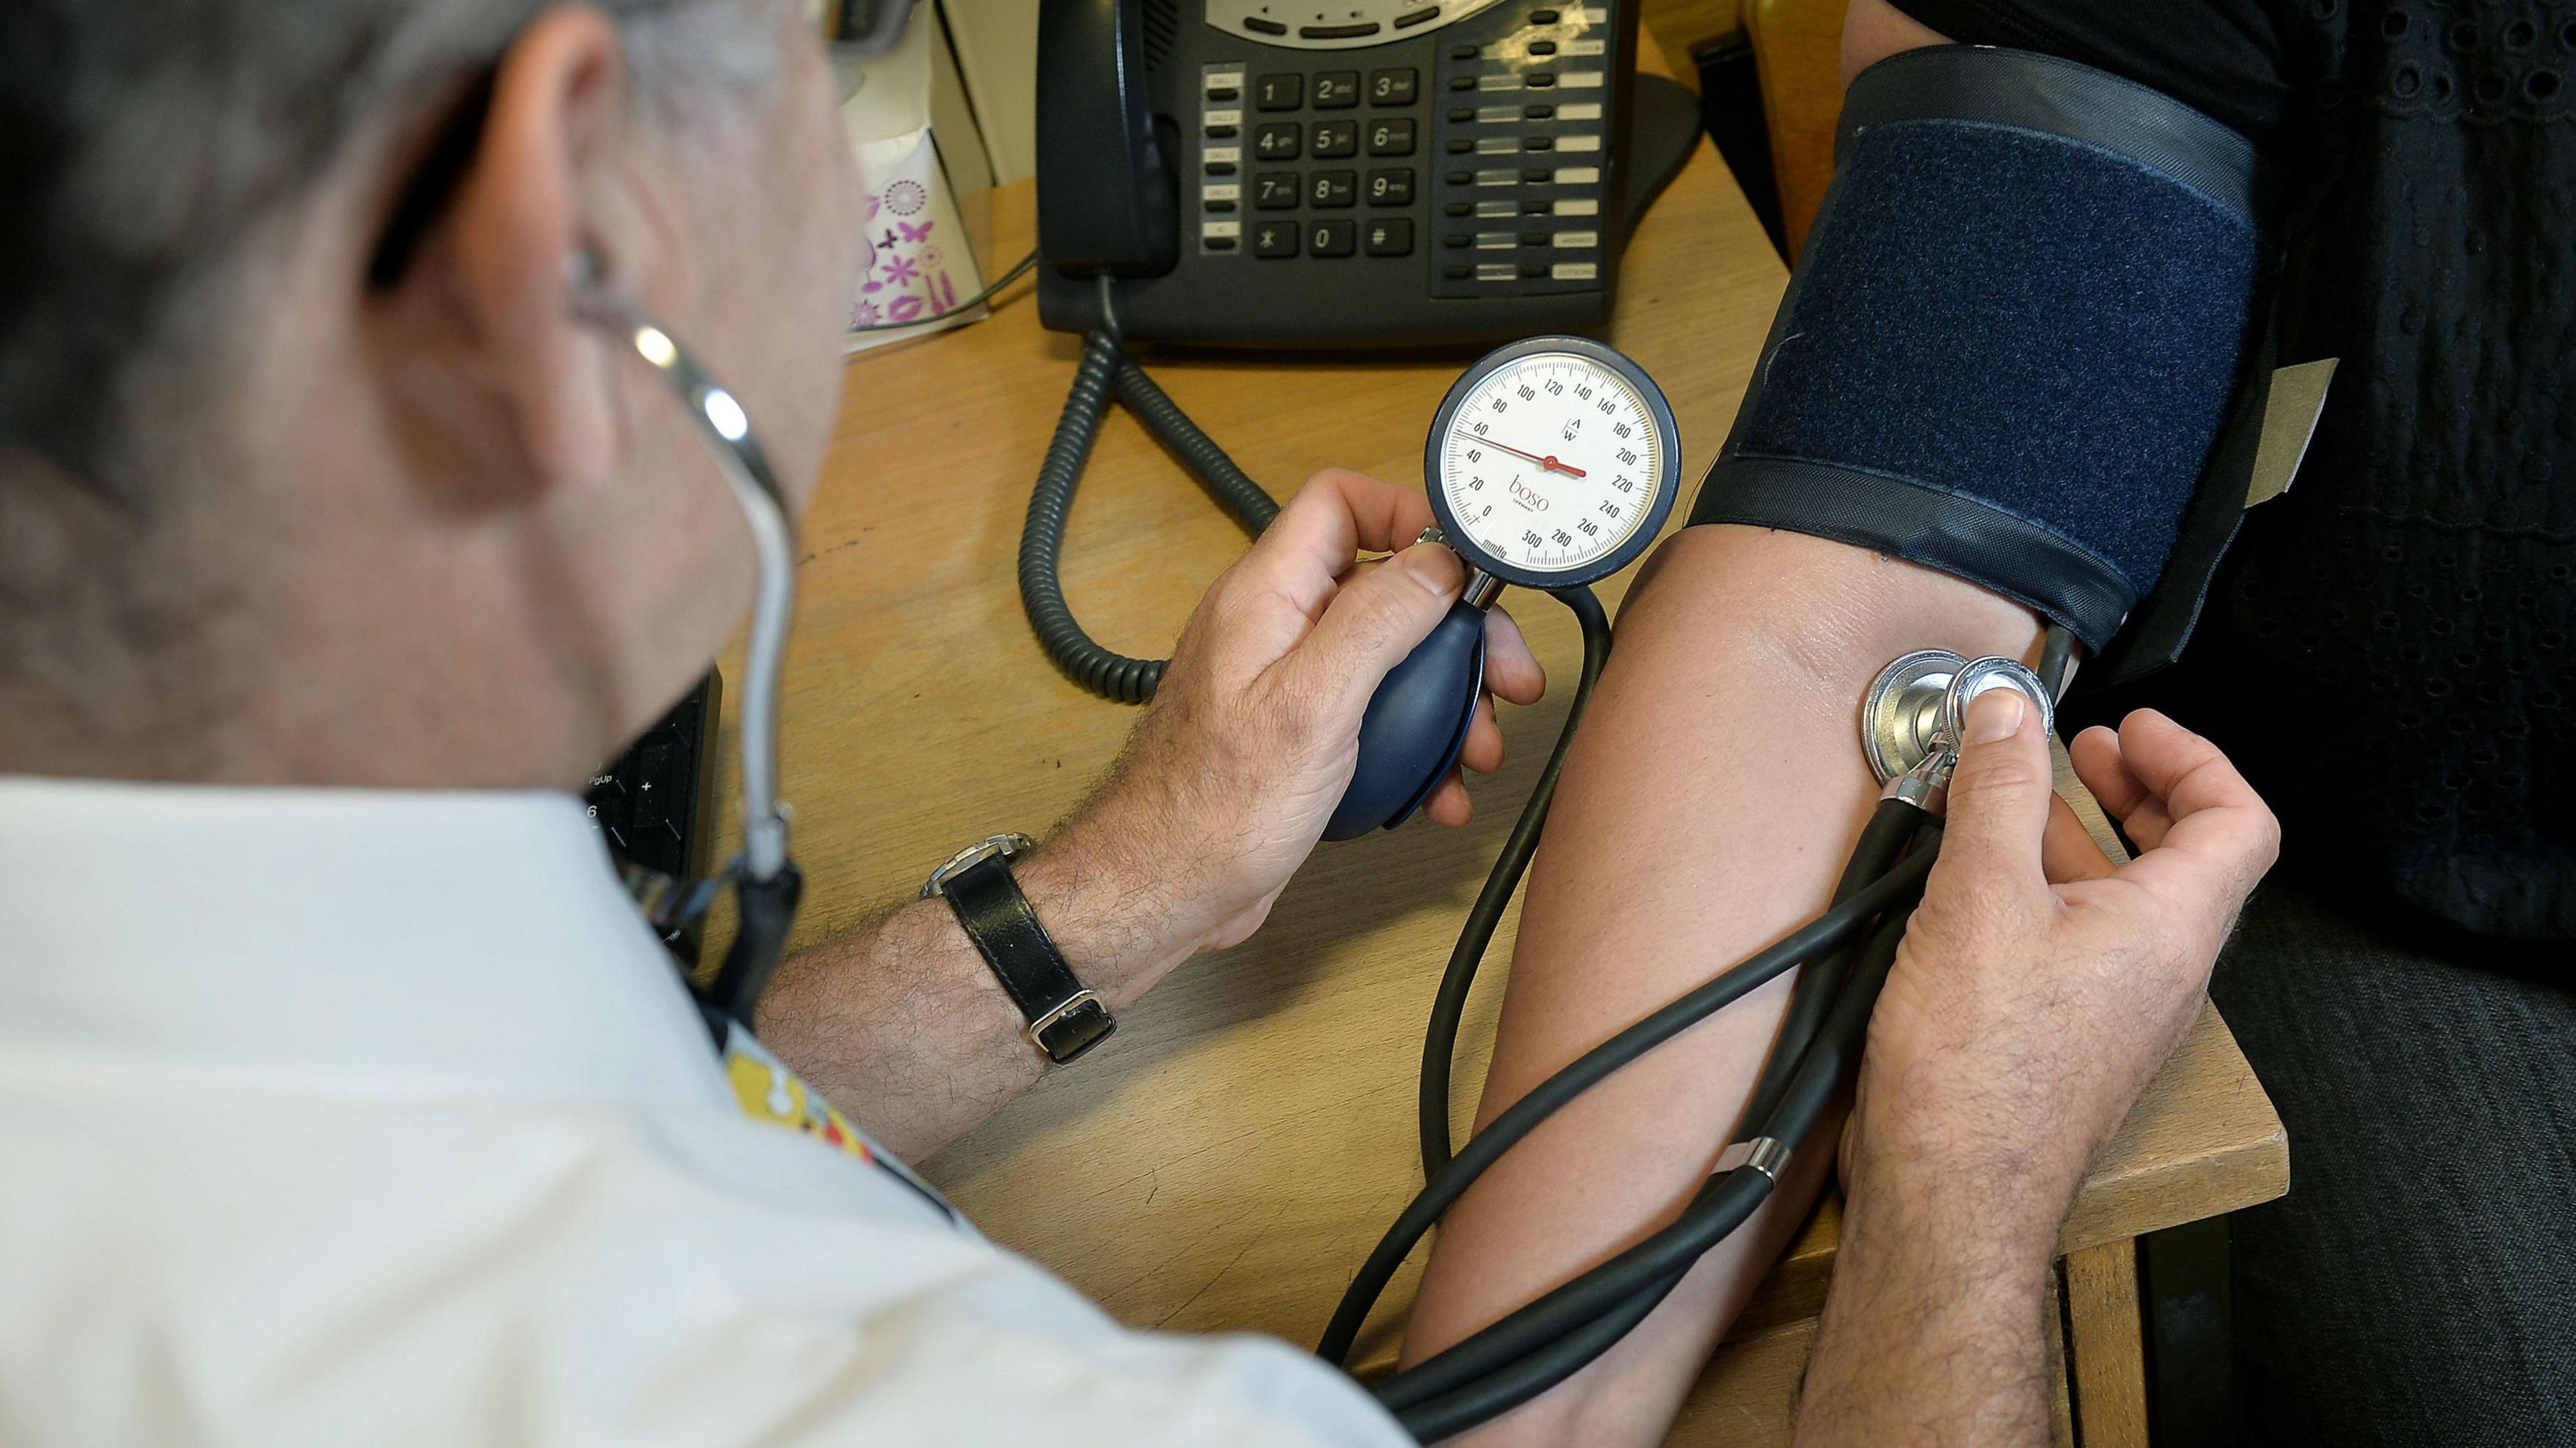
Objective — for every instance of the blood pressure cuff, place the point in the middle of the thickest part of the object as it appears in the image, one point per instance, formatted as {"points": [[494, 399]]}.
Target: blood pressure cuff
{"points": [[2014, 336]]}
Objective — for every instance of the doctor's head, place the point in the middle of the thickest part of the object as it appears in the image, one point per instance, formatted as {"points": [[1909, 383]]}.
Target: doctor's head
{"points": [[308, 471]]}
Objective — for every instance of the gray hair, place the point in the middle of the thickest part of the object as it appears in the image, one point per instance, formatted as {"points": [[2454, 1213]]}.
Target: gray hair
{"points": [[142, 141]]}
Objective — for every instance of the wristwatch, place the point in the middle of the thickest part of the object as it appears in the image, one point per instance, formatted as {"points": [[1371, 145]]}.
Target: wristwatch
{"points": [[1065, 1018]]}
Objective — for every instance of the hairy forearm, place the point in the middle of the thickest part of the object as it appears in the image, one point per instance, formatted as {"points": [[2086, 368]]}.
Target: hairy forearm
{"points": [[1707, 808], [1934, 1332], [903, 1026]]}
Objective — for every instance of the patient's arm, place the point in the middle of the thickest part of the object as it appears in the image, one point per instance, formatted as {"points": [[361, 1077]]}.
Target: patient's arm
{"points": [[1706, 809]]}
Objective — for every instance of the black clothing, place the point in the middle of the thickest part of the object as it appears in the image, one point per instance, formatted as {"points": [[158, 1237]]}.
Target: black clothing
{"points": [[2417, 1285], [2387, 653]]}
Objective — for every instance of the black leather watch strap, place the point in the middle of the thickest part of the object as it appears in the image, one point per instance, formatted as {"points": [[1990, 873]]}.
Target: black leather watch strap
{"points": [[1065, 1018]]}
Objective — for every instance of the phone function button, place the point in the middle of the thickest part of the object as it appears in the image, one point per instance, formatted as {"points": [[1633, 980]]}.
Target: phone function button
{"points": [[1393, 87], [1542, 17], [1539, 79], [1457, 273], [1530, 206], [1461, 145], [1224, 94], [1390, 236], [1260, 26], [1333, 189], [1337, 90], [1462, 113], [1223, 132], [1533, 270], [1217, 243], [1537, 177], [1542, 47], [1277, 140], [1463, 208], [1279, 92], [1457, 241], [1393, 137], [1274, 190], [1333, 238], [1411, 18], [1539, 113], [1462, 82], [1543, 143], [1220, 168], [1274, 238], [1391, 186], [1460, 178], [1336, 32], [1336, 139], [1220, 208]]}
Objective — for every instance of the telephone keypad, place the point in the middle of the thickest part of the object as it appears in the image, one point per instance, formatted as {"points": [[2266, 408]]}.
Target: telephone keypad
{"points": [[1501, 111]]}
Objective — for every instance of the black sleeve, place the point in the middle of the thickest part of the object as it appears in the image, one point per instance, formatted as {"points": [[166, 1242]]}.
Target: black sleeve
{"points": [[2220, 57]]}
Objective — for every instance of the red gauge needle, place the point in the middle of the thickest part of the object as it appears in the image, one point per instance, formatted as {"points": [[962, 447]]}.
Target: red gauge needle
{"points": [[1549, 461]]}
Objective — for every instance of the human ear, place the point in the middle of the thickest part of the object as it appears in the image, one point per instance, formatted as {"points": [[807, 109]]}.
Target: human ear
{"points": [[543, 183]]}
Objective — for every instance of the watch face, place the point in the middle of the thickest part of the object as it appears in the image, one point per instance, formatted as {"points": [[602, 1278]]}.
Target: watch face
{"points": [[1553, 462]]}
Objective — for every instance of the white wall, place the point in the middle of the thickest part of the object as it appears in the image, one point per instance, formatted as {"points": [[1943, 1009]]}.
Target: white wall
{"points": [[996, 42]]}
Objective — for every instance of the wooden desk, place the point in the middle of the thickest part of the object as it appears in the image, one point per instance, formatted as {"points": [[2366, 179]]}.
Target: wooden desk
{"points": [[1226, 1160]]}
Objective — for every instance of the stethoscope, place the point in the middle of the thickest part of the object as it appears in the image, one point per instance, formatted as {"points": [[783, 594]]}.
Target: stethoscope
{"points": [[764, 876], [1552, 464]]}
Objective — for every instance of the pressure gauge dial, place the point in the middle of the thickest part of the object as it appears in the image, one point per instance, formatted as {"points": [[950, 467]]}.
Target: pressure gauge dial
{"points": [[1553, 462]]}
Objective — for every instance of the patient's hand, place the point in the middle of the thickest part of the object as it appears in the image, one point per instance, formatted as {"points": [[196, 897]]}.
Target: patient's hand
{"points": [[2040, 986]]}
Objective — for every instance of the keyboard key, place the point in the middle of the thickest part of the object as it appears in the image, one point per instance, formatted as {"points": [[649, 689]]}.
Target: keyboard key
{"points": [[1274, 190], [1278, 140], [1336, 139], [1333, 189], [1391, 186], [1390, 236], [1337, 90], [1279, 92], [1393, 87], [1274, 238], [1332, 238], [1391, 137]]}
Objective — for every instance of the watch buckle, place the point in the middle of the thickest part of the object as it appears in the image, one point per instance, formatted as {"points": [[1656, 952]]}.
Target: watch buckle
{"points": [[1039, 1027]]}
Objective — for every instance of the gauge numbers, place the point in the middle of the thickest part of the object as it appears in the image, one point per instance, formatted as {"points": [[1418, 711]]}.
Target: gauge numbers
{"points": [[1552, 462]]}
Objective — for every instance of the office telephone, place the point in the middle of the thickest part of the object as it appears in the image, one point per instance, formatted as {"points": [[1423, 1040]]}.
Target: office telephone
{"points": [[1363, 173]]}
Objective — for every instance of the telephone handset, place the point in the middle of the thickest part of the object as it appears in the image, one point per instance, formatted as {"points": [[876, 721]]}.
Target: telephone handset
{"points": [[1372, 172]]}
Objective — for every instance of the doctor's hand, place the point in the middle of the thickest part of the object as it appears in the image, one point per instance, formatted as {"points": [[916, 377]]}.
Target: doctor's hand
{"points": [[1238, 762], [2040, 985]]}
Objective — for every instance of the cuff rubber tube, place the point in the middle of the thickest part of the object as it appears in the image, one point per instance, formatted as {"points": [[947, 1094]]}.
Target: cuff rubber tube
{"points": [[2014, 334]]}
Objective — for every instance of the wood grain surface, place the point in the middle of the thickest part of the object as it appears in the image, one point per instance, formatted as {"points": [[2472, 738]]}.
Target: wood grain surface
{"points": [[1227, 1159]]}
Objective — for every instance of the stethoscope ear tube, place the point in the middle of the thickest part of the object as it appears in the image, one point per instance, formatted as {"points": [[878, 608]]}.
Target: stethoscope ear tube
{"points": [[767, 884]]}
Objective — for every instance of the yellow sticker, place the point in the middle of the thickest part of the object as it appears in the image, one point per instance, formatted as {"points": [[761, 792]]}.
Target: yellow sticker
{"points": [[768, 1091]]}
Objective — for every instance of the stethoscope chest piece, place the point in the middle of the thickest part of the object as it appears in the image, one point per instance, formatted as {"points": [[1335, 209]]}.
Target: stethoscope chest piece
{"points": [[1900, 716]]}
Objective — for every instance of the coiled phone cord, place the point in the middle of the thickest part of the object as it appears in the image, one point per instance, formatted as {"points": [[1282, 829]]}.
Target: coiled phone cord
{"points": [[1105, 368]]}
